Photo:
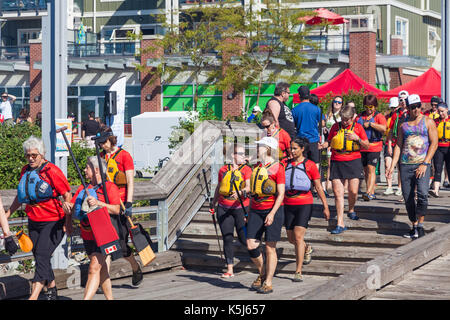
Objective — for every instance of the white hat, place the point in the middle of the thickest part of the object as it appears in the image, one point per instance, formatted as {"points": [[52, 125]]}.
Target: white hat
{"points": [[393, 102], [257, 108], [269, 142], [403, 93], [412, 99]]}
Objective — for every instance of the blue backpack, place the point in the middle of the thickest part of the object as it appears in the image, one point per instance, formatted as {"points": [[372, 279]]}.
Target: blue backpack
{"points": [[372, 134], [296, 178], [32, 189], [79, 213]]}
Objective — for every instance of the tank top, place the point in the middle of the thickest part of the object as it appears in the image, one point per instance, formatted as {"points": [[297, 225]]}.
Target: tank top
{"points": [[285, 118], [415, 143]]}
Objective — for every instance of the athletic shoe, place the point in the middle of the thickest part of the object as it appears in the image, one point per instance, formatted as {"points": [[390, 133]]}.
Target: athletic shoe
{"points": [[388, 191], [51, 294], [446, 184], [352, 216], [307, 259], [412, 234], [137, 277], [372, 196], [297, 277], [258, 282], [366, 197], [399, 192], [420, 232], [339, 230], [264, 289]]}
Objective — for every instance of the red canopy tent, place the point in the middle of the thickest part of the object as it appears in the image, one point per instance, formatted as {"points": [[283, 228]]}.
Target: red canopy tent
{"points": [[426, 86], [324, 16], [341, 84]]}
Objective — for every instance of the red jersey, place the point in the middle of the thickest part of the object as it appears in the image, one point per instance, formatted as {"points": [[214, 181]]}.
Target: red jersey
{"points": [[50, 210], [374, 146], [124, 163], [396, 119], [277, 174], [351, 155], [246, 172], [294, 197], [113, 197], [284, 143]]}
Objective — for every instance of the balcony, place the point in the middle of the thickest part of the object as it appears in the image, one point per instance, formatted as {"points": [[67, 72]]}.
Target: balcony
{"points": [[335, 43], [15, 53], [183, 2], [122, 48], [22, 5]]}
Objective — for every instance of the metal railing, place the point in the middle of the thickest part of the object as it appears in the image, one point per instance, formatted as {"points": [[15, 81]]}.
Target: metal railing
{"points": [[335, 43], [15, 53], [125, 48], [23, 5]]}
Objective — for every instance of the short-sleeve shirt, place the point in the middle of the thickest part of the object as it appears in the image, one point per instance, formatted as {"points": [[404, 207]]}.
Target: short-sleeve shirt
{"points": [[347, 156], [294, 197], [375, 146], [50, 210], [113, 197], [307, 117], [124, 163], [277, 174], [284, 143], [6, 109], [90, 127], [246, 172]]}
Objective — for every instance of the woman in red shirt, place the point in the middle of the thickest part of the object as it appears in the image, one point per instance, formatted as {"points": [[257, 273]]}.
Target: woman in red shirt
{"points": [[266, 213], [46, 219], [349, 137], [230, 213], [298, 203], [281, 135]]}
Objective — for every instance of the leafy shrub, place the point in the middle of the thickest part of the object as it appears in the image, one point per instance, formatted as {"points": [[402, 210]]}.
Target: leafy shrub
{"points": [[355, 96], [81, 154]]}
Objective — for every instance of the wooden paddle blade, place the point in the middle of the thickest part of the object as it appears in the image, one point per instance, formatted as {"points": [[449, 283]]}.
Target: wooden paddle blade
{"points": [[142, 243]]}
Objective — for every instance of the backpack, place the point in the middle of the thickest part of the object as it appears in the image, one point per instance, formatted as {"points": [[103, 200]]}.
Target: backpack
{"points": [[32, 188], [296, 178], [340, 142], [230, 176], [113, 174], [80, 211], [372, 134], [443, 130], [260, 183]]}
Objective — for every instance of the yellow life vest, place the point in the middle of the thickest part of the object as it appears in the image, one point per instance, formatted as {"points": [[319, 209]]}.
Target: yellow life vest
{"points": [[433, 116], [226, 184], [444, 131], [340, 143], [260, 183], [113, 173]]}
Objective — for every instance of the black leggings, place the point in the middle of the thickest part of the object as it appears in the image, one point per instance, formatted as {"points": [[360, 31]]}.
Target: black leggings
{"points": [[441, 156], [45, 236], [229, 219]]}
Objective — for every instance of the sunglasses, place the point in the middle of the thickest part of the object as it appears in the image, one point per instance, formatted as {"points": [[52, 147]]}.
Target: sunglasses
{"points": [[338, 102], [413, 107], [240, 153], [267, 127], [370, 107], [5, 97], [32, 155]]}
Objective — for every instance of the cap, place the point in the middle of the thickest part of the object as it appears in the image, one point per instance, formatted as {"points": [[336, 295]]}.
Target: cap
{"points": [[303, 92], [269, 142], [412, 99], [393, 102], [257, 108], [403, 94], [101, 137]]}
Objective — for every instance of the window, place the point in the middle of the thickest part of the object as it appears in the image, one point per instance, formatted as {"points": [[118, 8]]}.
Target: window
{"points": [[25, 35], [402, 30], [433, 38]]}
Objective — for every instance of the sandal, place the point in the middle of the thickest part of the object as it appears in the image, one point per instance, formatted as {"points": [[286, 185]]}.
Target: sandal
{"points": [[352, 216], [433, 193], [265, 289], [227, 275], [339, 230]]}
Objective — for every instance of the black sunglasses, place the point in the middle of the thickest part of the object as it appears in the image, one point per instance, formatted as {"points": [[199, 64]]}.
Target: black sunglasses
{"points": [[267, 127], [413, 107]]}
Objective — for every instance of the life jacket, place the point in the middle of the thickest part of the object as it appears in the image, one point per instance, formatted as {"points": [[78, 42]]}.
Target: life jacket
{"points": [[227, 183], [444, 131], [260, 183], [372, 134], [296, 178], [80, 211], [340, 143], [113, 173], [32, 188]]}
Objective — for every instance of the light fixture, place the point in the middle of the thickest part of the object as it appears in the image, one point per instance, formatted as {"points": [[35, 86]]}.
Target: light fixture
{"points": [[37, 98], [148, 97], [230, 96]]}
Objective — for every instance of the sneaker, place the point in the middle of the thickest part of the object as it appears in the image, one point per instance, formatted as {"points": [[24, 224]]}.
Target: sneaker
{"points": [[258, 282], [307, 259], [412, 234], [366, 197], [297, 277], [399, 192], [137, 277], [339, 230], [352, 216], [372, 196], [51, 294], [264, 289], [420, 232], [388, 191]]}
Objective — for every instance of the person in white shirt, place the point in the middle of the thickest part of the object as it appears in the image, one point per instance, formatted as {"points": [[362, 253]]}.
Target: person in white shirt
{"points": [[6, 107]]}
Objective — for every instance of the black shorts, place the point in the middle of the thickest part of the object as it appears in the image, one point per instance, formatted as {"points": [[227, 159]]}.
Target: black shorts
{"points": [[370, 158], [120, 223], [313, 152], [90, 246], [297, 216], [346, 169], [255, 225]]}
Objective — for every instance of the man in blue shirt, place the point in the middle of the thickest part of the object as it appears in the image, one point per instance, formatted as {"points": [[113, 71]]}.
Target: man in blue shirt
{"points": [[306, 118]]}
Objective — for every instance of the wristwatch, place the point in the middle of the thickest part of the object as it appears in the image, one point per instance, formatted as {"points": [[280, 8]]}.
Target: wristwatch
{"points": [[426, 163]]}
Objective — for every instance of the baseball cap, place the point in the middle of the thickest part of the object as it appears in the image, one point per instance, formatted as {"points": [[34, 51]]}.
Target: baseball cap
{"points": [[412, 99], [257, 108], [268, 142], [403, 94], [303, 92], [393, 102]]}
